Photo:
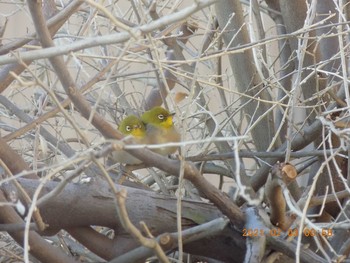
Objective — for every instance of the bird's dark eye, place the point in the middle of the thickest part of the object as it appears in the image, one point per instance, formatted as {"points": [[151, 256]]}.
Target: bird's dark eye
{"points": [[161, 116], [128, 128]]}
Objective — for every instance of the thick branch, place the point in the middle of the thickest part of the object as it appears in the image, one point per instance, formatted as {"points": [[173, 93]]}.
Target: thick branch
{"points": [[247, 80], [39, 247], [89, 201]]}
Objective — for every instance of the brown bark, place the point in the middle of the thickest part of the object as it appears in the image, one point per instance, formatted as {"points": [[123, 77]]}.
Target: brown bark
{"points": [[39, 247], [93, 204]]}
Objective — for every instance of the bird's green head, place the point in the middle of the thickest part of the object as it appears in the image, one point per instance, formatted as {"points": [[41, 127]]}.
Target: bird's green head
{"points": [[132, 125], [158, 117]]}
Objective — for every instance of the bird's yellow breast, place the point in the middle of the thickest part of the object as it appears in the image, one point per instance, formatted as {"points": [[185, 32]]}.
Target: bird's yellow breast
{"points": [[139, 133], [168, 123]]}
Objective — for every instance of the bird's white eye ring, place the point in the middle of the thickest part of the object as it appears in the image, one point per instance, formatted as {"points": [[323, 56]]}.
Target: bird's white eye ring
{"points": [[128, 128], [161, 116]]}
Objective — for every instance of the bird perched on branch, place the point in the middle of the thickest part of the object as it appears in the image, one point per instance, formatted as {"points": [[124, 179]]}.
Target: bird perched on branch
{"points": [[130, 126], [160, 129]]}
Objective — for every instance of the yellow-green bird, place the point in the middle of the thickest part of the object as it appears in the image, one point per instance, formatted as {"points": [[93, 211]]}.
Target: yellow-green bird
{"points": [[133, 126], [160, 129]]}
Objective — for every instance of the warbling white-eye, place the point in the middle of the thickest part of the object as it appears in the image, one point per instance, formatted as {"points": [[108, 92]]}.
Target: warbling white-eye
{"points": [[160, 129], [133, 126]]}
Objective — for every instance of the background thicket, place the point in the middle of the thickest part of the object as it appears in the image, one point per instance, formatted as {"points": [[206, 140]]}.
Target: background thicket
{"points": [[261, 96]]}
